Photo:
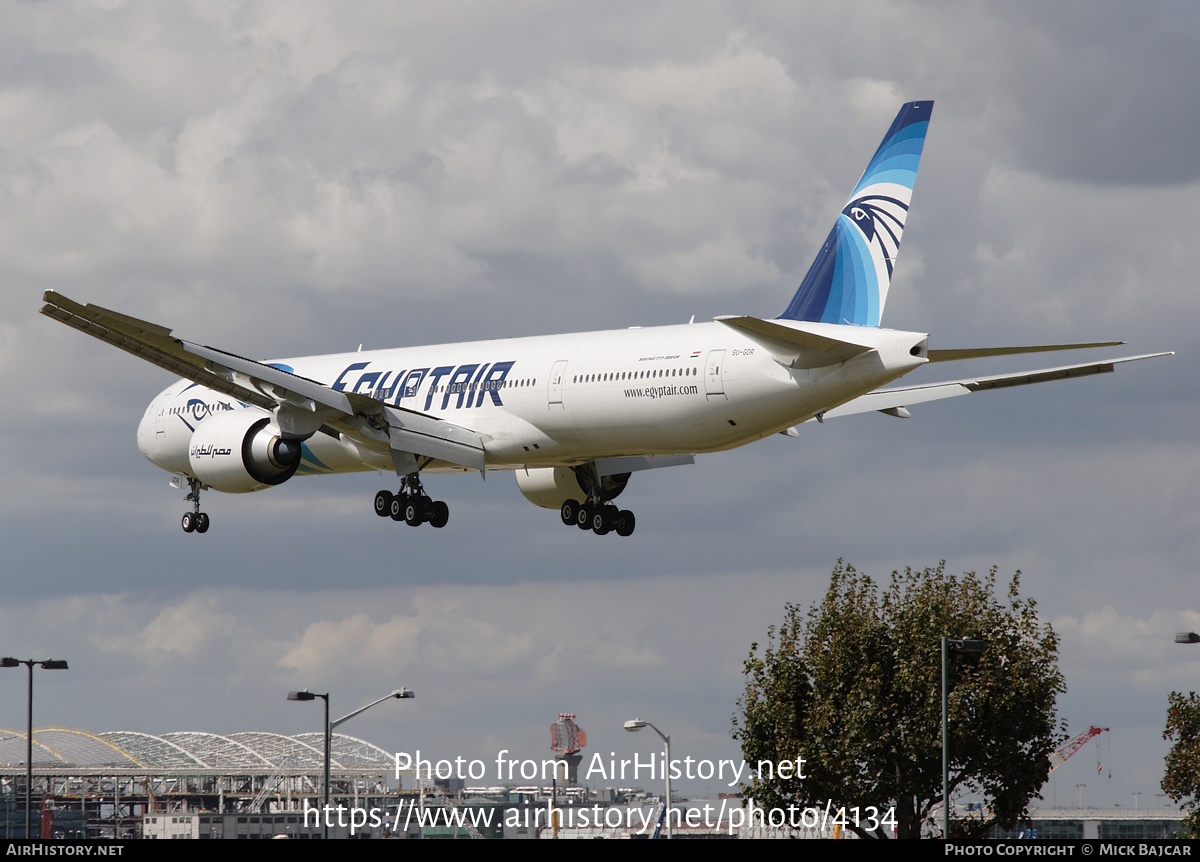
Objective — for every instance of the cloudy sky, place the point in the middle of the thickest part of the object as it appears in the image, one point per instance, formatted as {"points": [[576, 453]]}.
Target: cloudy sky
{"points": [[281, 179]]}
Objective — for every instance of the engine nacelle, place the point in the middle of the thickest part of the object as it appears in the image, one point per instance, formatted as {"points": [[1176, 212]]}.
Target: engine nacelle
{"points": [[550, 487], [241, 451]]}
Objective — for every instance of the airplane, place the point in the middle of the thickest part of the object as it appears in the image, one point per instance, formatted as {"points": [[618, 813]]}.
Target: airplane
{"points": [[572, 416]]}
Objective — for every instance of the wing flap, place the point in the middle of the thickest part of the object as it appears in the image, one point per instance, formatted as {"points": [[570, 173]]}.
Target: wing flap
{"points": [[888, 399], [431, 437], [634, 463]]}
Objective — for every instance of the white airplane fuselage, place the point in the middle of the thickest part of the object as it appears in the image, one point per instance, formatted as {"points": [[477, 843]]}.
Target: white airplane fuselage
{"points": [[564, 400]]}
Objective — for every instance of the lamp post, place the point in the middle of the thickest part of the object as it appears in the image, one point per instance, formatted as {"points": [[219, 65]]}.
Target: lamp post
{"points": [[308, 695], [958, 645], [48, 664], [400, 694], [1187, 638], [633, 726]]}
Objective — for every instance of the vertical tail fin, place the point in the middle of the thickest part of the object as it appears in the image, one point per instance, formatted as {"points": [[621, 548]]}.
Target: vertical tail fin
{"points": [[848, 281]]}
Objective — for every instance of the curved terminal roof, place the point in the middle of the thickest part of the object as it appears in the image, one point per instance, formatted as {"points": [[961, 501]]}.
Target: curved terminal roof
{"points": [[64, 748]]}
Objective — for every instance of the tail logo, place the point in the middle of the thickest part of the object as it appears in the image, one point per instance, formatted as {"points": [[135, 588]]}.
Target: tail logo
{"points": [[848, 281], [881, 220]]}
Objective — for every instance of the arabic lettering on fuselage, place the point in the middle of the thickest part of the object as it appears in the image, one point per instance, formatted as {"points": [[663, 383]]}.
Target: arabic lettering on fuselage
{"points": [[467, 384], [209, 451]]}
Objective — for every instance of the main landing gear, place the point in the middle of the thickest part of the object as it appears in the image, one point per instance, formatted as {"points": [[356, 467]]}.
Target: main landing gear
{"points": [[411, 505], [195, 520], [600, 518]]}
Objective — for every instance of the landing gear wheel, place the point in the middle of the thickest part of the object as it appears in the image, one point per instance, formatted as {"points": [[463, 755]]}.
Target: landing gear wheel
{"points": [[583, 517], [569, 512], [383, 503], [194, 521], [396, 509], [414, 512], [440, 515], [603, 520], [625, 523]]}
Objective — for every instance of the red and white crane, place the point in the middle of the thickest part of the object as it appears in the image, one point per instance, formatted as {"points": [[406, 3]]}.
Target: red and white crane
{"points": [[1059, 757]]}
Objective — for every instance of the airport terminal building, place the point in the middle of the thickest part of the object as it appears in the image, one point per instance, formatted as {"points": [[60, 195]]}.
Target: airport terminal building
{"points": [[88, 785]]}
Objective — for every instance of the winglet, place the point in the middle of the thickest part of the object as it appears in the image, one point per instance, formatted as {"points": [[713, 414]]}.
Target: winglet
{"points": [[848, 281]]}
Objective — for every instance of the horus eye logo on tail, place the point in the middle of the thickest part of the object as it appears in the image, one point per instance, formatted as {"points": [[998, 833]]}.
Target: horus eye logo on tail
{"points": [[848, 281], [881, 221]]}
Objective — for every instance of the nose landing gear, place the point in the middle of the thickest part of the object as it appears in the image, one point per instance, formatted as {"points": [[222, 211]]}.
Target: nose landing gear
{"points": [[195, 520]]}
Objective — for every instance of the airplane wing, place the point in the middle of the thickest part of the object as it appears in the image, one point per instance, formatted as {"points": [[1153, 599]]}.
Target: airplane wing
{"points": [[301, 406], [899, 397]]}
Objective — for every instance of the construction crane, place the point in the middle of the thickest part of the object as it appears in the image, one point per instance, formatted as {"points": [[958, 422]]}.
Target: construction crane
{"points": [[1059, 757]]}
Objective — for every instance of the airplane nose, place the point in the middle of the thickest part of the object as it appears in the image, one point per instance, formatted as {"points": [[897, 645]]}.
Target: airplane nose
{"points": [[163, 444], [146, 433]]}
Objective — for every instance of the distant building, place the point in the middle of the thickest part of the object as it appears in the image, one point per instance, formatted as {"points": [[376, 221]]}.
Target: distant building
{"points": [[1100, 823], [107, 785]]}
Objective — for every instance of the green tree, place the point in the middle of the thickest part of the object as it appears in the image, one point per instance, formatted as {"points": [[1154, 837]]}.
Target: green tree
{"points": [[854, 688], [1182, 779]]}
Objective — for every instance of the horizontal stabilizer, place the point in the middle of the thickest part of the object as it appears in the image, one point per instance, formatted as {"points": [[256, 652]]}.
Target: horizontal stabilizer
{"points": [[983, 352], [906, 396], [795, 348]]}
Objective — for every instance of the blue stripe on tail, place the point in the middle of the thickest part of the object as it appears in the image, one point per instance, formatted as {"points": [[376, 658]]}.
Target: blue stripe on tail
{"points": [[848, 281]]}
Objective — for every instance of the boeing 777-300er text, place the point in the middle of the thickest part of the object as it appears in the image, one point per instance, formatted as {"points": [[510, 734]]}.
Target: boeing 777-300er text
{"points": [[572, 415]]}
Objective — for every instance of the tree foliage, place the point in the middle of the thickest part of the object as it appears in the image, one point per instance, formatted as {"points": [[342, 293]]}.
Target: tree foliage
{"points": [[1182, 779], [854, 688]]}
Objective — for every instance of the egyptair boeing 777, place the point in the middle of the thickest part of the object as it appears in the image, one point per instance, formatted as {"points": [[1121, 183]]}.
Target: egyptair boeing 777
{"points": [[573, 416]]}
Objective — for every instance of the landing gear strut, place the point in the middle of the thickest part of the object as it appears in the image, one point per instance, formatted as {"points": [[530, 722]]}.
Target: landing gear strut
{"points": [[411, 504], [195, 520]]}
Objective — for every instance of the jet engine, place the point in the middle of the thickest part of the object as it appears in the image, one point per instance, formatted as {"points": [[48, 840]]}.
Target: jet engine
{"points": [[550, 487], [240, 451]]}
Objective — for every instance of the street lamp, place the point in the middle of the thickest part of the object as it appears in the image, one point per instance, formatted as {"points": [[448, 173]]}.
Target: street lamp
{"points": [[633, 726], [399, 694], [1187, 638], [958, 645], [48, 664]]}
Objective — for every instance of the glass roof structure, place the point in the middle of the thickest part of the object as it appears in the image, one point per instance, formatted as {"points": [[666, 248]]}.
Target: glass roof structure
{"points": [[62, 749]]}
